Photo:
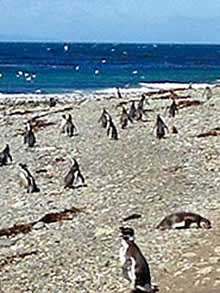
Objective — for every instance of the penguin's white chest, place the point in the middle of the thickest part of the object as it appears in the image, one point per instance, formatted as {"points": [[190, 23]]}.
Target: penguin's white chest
{"points": [[123, 250]]}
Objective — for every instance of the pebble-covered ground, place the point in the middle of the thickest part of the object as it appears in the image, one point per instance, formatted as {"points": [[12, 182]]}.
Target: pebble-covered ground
{"points": [[136, 174]]}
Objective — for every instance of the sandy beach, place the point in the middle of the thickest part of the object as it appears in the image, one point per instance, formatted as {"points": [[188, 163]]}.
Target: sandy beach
{"points": [[136, 174]]}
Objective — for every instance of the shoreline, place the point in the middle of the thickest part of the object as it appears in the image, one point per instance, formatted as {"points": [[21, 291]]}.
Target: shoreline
{"points": [[77, 95]]}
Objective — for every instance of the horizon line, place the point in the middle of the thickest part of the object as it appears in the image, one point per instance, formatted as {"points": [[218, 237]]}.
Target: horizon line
{"points": [[108, 42]]}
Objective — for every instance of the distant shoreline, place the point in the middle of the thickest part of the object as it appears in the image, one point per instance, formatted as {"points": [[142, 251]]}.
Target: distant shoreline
{"points": [[25, 98]]}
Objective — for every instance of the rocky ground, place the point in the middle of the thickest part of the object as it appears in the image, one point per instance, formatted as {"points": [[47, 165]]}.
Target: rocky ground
{"points": [[136, 174]]}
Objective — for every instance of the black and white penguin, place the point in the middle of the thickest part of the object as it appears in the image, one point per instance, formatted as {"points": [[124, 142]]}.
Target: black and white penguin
{"points": [[69, 128], [29, 136], [207, 93], [111, 129], [5, 155], [103, 120], [125, 118], [140, 108], [184, 220], [134, 265], [27, 180], [132, 111], [161, 127], [118, 93], [52, 102], [74, 177], [63, 124], [173, 109]]}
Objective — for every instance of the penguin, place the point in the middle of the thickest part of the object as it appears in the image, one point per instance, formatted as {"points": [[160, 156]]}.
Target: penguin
{"points": [[125, 118], [207, 93], [74, 177], [173, 109], [184, 220], [63, 124], [27, 180], [161, 127], [52, 102], [5, 155], [29, 136], [118, 93], [140, 108], [133, 111], [105, 116], [70, 128], [112, 130], [134, 265]]}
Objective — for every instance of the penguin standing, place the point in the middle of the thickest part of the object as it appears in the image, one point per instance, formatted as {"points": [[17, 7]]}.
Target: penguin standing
{"points": [[105, 116], [5, 156], [74, 177], [118, 93], [161, 127], [207, 93], [140, 108], [63, 124], [52, 102], [133, 111], [134, 265], [125, 118], [112, 130], [173, 109], [70, 128], [27, 180], [29, 136]]}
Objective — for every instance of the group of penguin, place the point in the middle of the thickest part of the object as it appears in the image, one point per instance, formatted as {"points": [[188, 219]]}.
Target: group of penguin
{"points": [[74, 177], [135, 113], [134, 265]]}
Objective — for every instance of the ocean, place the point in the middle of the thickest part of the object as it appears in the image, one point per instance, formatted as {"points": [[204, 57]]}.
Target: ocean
{"points": [[67, 67]]}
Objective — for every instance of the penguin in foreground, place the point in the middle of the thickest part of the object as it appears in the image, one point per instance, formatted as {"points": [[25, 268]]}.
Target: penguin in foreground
{"points": [[74, 177], [5, 156], [134, 265], [29, 137], [184, 220], [27, 180]]}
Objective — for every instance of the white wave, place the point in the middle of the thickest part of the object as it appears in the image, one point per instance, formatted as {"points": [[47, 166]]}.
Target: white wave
{"points": [[173, 85], [95, 94]]}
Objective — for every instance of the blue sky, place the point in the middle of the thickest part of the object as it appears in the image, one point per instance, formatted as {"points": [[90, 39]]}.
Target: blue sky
{"points": [[181, 21]]}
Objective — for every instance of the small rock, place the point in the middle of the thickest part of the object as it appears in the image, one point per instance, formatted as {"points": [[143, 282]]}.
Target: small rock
{"points": [[189, 255], [217, 250], [205, 271], [38, 225], [6, 243], [214, 260], [103, 232], [217, 283]]}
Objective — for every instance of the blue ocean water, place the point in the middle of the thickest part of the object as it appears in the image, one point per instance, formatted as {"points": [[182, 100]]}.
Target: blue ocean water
{"points": [[66, 67]]}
